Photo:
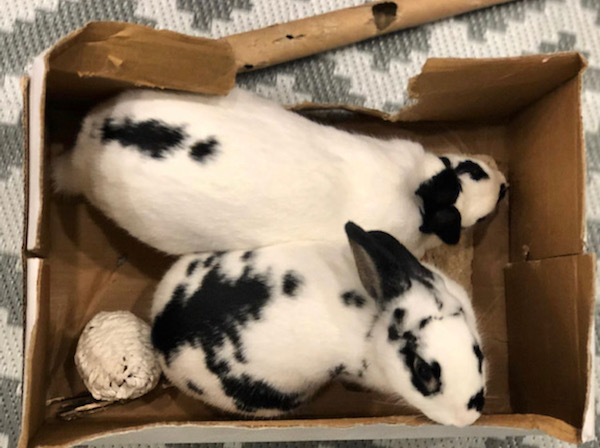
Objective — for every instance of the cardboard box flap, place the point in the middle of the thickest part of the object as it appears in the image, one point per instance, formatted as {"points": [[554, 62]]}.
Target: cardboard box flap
{"points": [[143, 56], [480, 89], [547, 177], [549, 307]]}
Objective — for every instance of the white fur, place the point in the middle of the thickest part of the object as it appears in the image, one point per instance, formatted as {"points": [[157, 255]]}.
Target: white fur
{"points": [[276, 176], [298, 340]]}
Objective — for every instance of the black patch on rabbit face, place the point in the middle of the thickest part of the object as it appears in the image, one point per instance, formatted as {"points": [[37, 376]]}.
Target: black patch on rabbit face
{"points": [[195, 389], [204, 149], [152, 137], [424, 376], [393, 334], [477, 401], [291, 283], [410, 337], [248, 255], [424, 322], [337, 370], [352, 298], [399, 314], [477, 351], [191, 267], [472, 169], [251, 395]]}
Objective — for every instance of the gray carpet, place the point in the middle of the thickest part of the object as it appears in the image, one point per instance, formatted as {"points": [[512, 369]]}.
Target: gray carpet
{"points": [[371, 73]]}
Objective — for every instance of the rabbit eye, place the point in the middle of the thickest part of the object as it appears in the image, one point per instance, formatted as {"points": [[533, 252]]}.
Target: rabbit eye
{"points": [[426, 377], [423, 370]]}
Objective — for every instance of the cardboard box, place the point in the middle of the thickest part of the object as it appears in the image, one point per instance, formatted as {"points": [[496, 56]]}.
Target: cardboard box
{"points": [[532, 284]]}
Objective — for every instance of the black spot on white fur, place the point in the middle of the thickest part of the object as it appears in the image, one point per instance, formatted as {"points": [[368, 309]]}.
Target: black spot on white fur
{"points": [[477, 401], [204, 149], [353, 298], [399, 314], [292, 281], [251, 395], [424, 322], [393, 334], [192, 267], [152, 137], [457, 313], [479, 354], [471, 168], [191, 386], [248, 255], [337, 371], [212, 314]]}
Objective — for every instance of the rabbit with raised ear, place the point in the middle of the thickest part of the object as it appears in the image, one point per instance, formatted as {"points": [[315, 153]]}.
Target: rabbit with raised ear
{"points": [[187, 173], [258, 332]]}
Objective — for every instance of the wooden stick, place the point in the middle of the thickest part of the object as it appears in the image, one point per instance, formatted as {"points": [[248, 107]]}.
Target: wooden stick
{"points": [[300, 38]]}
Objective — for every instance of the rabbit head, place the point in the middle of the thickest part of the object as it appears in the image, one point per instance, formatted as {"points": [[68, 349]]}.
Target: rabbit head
{"points": [[426, 348], [460, 192]]}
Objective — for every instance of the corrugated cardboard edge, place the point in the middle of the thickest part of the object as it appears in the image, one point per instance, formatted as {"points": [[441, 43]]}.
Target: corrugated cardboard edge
{"points": [[524, 422], [32, 280], [584, 283], [415, 86], [209, 64], [588, 432], [33, 155]]}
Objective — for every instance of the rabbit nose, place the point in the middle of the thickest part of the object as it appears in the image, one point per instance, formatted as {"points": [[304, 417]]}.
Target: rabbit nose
{"points": [[503, 190], [463, 419]]}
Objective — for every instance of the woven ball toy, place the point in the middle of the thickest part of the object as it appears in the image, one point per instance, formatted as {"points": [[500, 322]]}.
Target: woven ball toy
{"points": [[115, 357]]}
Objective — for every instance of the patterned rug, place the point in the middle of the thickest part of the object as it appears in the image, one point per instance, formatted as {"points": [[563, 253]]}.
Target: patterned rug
{"points": [[372, 73]]}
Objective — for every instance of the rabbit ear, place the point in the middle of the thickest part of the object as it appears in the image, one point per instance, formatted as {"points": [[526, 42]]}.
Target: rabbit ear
{"points": [[385, 266], [439, 214], [440, 190], [446, 223]]}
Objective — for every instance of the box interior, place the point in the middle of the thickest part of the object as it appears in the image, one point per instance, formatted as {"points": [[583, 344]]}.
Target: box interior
{"points": [[90, 265]]}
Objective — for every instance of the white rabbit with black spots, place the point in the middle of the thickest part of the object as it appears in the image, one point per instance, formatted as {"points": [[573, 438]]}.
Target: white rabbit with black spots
{"points": [[257, 333], [186, 173]]}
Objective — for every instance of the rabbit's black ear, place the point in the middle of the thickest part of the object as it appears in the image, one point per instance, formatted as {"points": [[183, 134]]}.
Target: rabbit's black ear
{"points": [[384, 265], [440, 217], [440, 190], [446, 223]]}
